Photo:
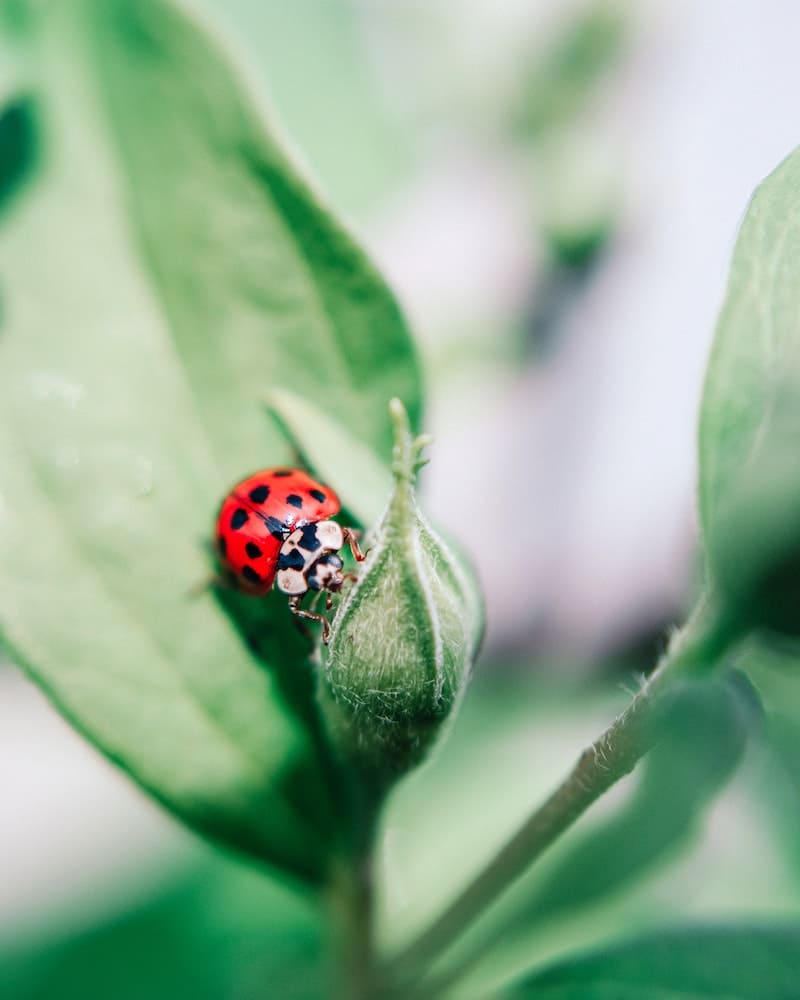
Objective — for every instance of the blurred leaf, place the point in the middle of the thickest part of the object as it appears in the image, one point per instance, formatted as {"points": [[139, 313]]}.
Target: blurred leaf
{"points": [[221, 932], [578, 59], [17, 145], [731, 963], [364, 483], [317, 61], [705, 728], [750, 422], [136, 353], [705, 732], [776, 784]]}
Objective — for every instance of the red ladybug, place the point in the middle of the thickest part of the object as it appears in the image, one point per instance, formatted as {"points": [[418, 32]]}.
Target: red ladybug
{"points": [[275, 525]]}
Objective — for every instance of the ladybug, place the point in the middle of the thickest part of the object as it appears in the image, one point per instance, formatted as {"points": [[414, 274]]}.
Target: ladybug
{"points": [[275, 527]]}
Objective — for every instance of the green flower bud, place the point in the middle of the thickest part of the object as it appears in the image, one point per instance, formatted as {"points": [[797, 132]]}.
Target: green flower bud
{"points": [[404, 637]]}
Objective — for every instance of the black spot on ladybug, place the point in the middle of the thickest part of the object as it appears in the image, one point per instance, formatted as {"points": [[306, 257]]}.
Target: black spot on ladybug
{"points": [[253, 551], [259, 494], [282, 472], [238, 518], [222, 545], [309, 541], [317, 495], [275, 527], [250, 575], [314, 583], [291, 560], [294, 500]]}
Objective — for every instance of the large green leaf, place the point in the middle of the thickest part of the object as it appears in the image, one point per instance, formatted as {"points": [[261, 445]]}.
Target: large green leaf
{"points": [[735, 963], [157, 279], [260, 286], [749, 474]]}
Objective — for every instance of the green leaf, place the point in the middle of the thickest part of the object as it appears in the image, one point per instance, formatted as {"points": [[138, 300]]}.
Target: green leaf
{"points": [[216, 931], [776, 781], [260, 286], [158, 280], [363, 482], [749, 475], [697, 963]]}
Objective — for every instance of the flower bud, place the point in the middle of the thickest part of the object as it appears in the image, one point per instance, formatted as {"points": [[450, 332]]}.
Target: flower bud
{"points": [[404, 638]]}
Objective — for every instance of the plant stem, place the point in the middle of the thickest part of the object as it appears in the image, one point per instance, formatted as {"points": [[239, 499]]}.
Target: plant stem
{"points": [[353, 896], [352, 924], [611, 757]]}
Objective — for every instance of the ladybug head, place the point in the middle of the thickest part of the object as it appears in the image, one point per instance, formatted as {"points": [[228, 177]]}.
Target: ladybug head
{"points": [[308, 559], [325, 573]]}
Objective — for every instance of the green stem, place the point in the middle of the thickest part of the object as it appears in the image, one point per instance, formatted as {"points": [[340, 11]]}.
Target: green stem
{"points": [[608, 759], [352, 895], [352, 923]]}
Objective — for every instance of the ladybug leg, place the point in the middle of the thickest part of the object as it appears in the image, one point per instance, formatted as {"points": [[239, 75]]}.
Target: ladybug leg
{"points": [[294, 607], [328, 600], [351, 536]]}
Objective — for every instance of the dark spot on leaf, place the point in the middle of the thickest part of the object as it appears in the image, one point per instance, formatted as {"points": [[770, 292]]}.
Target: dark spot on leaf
{"points": [[238, 518], [294, 500], [259, 494], [254, 642], [18, 146], [253, 551], [250, 575], [317, 495]]}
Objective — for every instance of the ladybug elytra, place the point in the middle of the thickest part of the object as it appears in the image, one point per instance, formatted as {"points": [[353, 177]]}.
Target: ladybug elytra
{"points": [[274, 528]]}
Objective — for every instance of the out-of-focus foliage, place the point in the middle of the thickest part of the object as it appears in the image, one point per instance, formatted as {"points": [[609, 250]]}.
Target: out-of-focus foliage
{"points": [[187, 271], [750, 425], [219, 931], [363, 482], [566, 76], [312, 57], [17, 145], [705, 732], [737, 963]]}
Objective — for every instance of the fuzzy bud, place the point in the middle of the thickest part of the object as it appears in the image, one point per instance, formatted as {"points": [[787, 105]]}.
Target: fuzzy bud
{"points": [[404, 637]]}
